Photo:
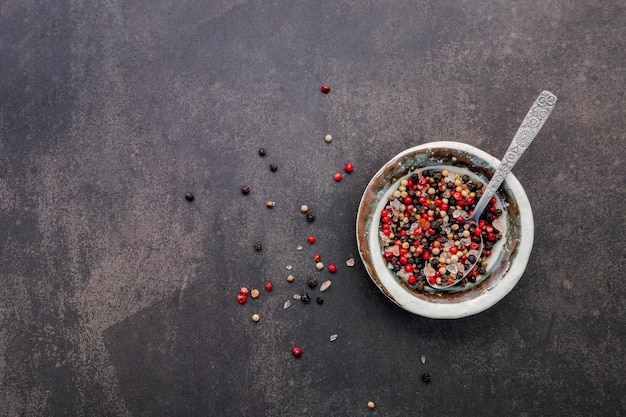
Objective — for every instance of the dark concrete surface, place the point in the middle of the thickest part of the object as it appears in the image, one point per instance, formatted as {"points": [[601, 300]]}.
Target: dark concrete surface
{"points": [[117, 296]]}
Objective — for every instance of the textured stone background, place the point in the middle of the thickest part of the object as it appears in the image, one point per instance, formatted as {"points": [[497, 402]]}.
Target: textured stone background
{"points": [[117, 296]]}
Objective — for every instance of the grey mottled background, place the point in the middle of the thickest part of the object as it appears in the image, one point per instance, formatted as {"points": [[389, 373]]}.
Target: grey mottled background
{"points": [[117, 296]]}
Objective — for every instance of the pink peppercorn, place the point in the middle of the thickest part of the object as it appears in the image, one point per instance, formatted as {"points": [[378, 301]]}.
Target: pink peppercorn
{"points": [[241, 298], [269, 286], [332, 268], [296, 351], [337, 176], [349, 167], [311, 239], [325, 89]]}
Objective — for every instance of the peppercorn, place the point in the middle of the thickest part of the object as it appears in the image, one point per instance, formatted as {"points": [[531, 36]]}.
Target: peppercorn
{"points": [[257, 246], [332, 268], [312, 282], [371, 405], [319, 300], [427, 378], [255, 317], [328, 138], [305, 298], [304, 208], [245, 189], [296, 351], [310, 217], [269, 286], [311, 239], [337, 176], [273, 167], [189, 196], [325, 89], [270, 203], [262, 152]]}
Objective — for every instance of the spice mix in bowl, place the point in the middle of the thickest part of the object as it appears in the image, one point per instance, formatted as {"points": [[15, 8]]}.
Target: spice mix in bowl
{"points": [[411, 231]]}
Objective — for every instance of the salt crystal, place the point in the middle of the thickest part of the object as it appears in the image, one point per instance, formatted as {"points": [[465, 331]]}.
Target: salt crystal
{"points": [[289, 267], [298, 247], [499, 223], [325, 285], [287, 304], [297, 296], [452, 268], [428, 271], [350, 262], [423, 359], [395, 250], [333, 337]]}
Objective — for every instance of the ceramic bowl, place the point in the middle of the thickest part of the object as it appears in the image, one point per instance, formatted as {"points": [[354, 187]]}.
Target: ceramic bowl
{"points": [[509, 256]]}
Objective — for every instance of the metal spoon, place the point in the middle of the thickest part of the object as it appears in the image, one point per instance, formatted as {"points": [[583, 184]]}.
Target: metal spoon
{"points": [[528, 130]]}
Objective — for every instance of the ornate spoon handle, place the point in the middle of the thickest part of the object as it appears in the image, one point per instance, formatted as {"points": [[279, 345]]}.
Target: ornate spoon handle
{"points": [[532, 123]]}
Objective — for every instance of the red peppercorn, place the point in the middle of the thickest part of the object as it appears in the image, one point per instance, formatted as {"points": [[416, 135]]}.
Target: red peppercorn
{"points": [[426, 255], [243, 291], [411, 279], [317, 257], [444, 207], [408, 200], [409, 268], [403, 260], [241, 298], [388, 255], [386, 232], [493, 200], [269, 286], [332, 268], [384, 213], [349, 167], [325, 89], [311, 239], [432, 280], [491, 236], [386, 219], [453, 250], [337, 176], [296, 351]]}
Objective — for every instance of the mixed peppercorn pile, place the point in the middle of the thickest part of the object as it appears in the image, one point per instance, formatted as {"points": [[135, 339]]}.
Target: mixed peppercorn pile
{"points": [[424, 235]]}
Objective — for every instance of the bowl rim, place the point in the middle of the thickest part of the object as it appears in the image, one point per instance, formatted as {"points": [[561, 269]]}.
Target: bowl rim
{"points": [[389, 285]]}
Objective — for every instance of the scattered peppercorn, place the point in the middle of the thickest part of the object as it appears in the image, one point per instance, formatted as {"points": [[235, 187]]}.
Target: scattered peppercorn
{"points": [[311, 239], [328, 138], [269, 286], [349, 167], [312, 282], [310, 217], [319, 300], [304, 208], [255, 317], [257, 246], [273, 167], [189, 196], [254, 293], [325, 89], [245, 189], [243, 290], [305, 297], [332, 268], [241, 298], [270, 203], [337, 176], [371, 405], [296, 351], [427, 378], [290, 278], [262, 152], [319, 266]]}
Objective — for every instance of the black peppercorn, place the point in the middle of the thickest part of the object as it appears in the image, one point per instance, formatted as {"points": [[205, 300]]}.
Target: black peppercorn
{"points": [[312, 282], [273, 167], [257, 246], [305, 297], [189, 196], [262, 152], [482, 270], [465, 178], [310, 217], [427, 378], [498, 212], [319, 300], [245, 189], [472, 279]]}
